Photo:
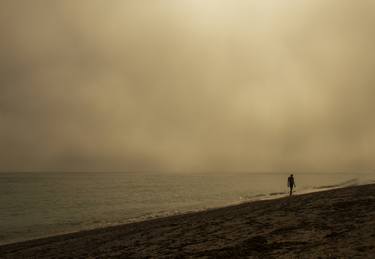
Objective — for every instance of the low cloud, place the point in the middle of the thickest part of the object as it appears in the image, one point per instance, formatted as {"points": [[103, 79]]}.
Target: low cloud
{"points": [[187, 86]]}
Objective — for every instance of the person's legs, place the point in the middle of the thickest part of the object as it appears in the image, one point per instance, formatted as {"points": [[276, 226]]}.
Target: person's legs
{"points": [[291, 190]]}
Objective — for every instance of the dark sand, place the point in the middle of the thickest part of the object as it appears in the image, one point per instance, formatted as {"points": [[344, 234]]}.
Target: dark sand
{"points": [[331, 224]]}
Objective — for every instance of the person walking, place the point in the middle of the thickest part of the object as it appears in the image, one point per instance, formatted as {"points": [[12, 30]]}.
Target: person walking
{"points": [[291, 184]]}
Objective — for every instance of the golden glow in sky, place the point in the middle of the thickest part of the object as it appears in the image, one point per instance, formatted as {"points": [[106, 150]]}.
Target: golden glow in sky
{"points": [[187, 85]]}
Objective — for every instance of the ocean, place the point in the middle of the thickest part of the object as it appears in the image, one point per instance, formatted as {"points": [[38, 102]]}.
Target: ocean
{"points": [[34, 205]]}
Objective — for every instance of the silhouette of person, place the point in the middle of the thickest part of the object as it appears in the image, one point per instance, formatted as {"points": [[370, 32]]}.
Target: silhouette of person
{"points": [[291, 184]]}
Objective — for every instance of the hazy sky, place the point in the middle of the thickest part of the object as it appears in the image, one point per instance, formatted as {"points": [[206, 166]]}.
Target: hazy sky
{"points": [[187, 85]]}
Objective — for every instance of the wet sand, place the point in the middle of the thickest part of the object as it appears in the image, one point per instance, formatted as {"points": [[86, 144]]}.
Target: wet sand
{"points": [[337, 223]]}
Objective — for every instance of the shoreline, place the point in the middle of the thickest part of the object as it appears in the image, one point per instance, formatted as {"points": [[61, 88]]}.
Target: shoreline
{"points": [[314, 224], [251, 199]]}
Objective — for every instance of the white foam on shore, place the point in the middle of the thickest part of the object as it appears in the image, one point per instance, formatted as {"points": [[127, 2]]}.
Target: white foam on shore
{"points": [[306, 190]]}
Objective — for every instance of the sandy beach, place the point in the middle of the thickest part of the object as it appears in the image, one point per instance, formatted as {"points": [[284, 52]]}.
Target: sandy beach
{"points": [[337, 223]]}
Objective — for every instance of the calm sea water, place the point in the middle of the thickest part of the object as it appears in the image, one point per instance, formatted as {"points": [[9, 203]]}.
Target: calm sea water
{"points": [[36, 205]]}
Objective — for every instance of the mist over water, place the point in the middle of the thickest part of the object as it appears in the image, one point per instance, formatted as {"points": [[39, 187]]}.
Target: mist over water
{"points": [[170, 105], [36, 205], [187, 86]]}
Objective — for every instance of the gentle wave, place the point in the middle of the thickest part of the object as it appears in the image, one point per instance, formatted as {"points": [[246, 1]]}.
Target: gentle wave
{"points": [[351, 182]]}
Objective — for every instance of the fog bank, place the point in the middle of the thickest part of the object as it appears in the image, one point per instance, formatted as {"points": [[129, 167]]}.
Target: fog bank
{"points": [[186, 86]]}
